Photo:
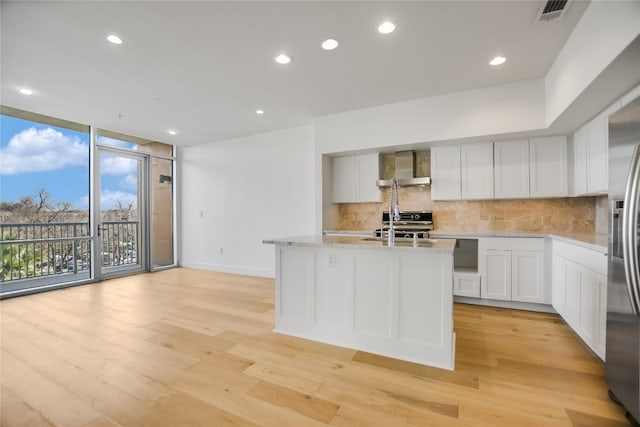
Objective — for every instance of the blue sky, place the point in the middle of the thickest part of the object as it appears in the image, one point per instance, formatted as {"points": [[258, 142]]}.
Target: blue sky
{"points": [[35, 156]]}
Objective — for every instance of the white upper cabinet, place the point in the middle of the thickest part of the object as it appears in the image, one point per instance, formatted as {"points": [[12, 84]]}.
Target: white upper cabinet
{"points": [[354, 179], [590, 154], [580, 161], [548, 167], [511, 162], [597, 147], [367, 172], [476, 171], [343, 184], [445, 173]]}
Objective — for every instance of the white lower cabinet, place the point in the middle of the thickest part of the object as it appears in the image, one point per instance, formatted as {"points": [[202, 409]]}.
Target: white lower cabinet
{"points": [[580, 292], [497, 274], [512, 269], [466, 284]]}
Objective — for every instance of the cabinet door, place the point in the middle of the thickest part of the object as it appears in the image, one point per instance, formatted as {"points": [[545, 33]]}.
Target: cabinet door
{"points": [[511, 162], [597, 155], [367, 172], [495, 274], [559, 293], [476, 171], [466, 284], [527, 283], [589, 306], [343, 184], [573, 295], [580, 161], [445, 173], [548, 167], [601, 281]]}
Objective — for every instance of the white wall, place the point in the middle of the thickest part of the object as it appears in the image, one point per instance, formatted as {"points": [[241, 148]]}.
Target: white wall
{"points": [[248, 189], [603, 32], [513, 107]]}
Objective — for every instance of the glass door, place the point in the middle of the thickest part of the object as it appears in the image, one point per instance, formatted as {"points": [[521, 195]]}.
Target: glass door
{"points": [[121, 211]]}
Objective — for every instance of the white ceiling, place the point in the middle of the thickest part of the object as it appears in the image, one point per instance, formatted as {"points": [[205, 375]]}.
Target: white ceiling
{"points": [[205, 67]]}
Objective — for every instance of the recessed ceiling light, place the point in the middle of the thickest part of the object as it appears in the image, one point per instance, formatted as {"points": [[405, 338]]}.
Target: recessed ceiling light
{"points": [[330, 44], [283, 59], [259, 112], [114, 39], [172, 131], [386, 27], [26, 91], [498, 60]]}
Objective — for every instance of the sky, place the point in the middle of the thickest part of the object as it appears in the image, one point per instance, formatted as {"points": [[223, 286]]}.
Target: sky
{"points": [[35, 156]]}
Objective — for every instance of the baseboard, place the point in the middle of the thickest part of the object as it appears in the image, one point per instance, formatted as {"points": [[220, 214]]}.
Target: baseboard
{"points": [[257, 272], [541, 308]]}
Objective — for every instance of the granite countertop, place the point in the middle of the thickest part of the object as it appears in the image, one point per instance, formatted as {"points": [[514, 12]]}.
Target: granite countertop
{"points": [[365, 241], [598, 242]]}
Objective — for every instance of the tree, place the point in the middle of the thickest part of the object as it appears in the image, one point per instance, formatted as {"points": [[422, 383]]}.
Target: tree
{"points": [[39, 208]]}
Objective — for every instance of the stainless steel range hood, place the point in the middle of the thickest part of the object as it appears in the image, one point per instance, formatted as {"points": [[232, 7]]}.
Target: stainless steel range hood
{"points": [[405, 171]]}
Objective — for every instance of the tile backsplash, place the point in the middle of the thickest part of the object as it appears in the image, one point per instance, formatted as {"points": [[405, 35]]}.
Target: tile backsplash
{"points": [[566, 215]]}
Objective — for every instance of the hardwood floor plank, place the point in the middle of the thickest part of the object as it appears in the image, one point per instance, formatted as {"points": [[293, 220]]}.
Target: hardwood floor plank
{"points": [[185, 347], [305, 404], [453, 377], [582, 419], [65, 410], [195, 413], [15, 412]]}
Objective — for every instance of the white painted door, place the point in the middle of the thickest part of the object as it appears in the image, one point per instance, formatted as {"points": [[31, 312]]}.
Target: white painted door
{"points": [[445, 173], [495, 274], [548, 167], [528, 276], [511, 163], [476, 171]]}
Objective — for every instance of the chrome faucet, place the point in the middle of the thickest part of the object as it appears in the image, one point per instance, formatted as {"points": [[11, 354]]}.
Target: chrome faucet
{"points": [[394, 211]]}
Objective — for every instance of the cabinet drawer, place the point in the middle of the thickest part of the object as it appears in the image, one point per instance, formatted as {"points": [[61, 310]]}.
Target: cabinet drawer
{"points": [[596, 261], [565, 250], [511, 243], [466, 284]]}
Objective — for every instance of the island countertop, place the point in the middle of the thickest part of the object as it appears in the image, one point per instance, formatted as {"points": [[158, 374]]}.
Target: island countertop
{"points": [[364, 242]]}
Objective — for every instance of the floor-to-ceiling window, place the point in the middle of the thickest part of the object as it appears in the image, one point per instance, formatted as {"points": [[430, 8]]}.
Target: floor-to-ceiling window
{"points": [[44, 201], [79, 204]]}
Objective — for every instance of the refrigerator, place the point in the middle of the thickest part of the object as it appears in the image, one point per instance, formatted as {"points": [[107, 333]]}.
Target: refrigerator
{"points": [[622, 359]]}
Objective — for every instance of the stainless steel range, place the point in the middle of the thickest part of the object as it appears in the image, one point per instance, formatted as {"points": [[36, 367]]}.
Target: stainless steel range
{"points": [[419, 223]]}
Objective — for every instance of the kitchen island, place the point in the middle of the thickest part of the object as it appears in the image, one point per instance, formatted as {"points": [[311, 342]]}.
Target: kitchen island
{"points": [[357, 292]]}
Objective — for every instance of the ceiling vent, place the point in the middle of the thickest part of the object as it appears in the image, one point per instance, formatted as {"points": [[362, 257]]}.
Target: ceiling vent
{"points": [[552, 9]]}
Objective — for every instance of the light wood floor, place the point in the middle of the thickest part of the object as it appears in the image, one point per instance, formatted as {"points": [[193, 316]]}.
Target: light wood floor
{"points": [[193, 348]]}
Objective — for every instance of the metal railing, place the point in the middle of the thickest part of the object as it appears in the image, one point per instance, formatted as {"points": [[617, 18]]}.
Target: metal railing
{"points": [[39, 250], [119, 243]]}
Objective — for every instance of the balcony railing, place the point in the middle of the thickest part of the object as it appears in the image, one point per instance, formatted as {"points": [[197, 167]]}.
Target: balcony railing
{"points": [[48, 251]]}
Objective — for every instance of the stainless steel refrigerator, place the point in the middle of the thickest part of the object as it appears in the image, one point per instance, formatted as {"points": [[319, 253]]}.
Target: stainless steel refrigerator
{"points": [[622, 365]]}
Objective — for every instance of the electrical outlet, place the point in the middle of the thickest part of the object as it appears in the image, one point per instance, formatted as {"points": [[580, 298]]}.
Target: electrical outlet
{"points": [[201, 214], [332, 260], [221, 251]]}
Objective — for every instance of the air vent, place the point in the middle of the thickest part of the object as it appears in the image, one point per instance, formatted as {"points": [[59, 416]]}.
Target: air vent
{"points": [[552, 9]]}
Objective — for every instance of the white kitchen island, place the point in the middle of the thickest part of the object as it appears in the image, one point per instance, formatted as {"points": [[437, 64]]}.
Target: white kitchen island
{"points": [[362, 294]]}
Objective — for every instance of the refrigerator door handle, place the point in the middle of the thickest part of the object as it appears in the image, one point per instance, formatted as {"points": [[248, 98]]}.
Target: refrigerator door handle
{"points": [[630, 232]]}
